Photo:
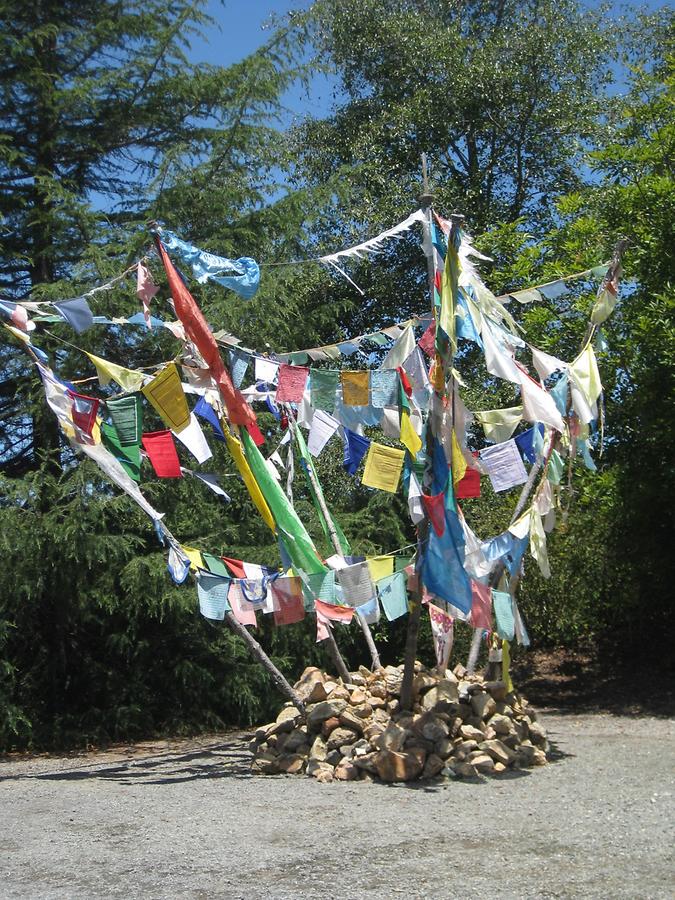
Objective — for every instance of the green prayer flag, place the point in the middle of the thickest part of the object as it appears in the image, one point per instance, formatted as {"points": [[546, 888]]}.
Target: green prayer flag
{"points": [[318, 498], [297, 542], [128, 457], [556, 464], [127, 417], [216, 566], [322, 387]]}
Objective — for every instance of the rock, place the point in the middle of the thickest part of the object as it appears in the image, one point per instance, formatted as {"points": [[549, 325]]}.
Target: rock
{"points": [[372, 731], [466, 746], [366, 762], [459, 671], [393, 706], [363, 710], [377, 703], [483, 705], [465, 712], [357, 697], [433, 766], [324, 776], [340, 693], [501, 724], [291, 763], [365, 673], [315, 765], [357, 679], [329, 725], [499, 768], [434, 729], [539, 757], [392, 738], [265, 763], [340, 736], [295, 739], [346, 771], [463, 769], [350, 720], [325, 710], [444, 748], [443, 697], [498, 751], [334, 756], [394, 766], [496, 688], [422, 682], [393, 684], [469, 733], [261, 733], [329, 687], [482, 762], [525, 755], [381, 715], [537, 734], [318, 750], [310, 688]]}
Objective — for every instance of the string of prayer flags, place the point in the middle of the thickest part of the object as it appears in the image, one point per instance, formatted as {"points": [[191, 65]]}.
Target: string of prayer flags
{"points": [[393, 595], [127, 379], [15, 314], [83, 411], [383, 388], [459, 463], [129, 456], [165, 393], [586, 378], [126, 414], [553, 289], [197, 330], [391, 420], [409, 436], [415, 506], [545, 364], [212, 592], [76, 313], [291, 383], [383, 467], [322, 429], [355, 387], [192, 437], [162, 454], [504, 465], [435, 507], [288, 602], [442, 565], [499, 424], [355, 449], [481, 606], [235, 566], [215, 565], [501, 602], [442, 629], [323, 385], [145, 290], [357, 585]]}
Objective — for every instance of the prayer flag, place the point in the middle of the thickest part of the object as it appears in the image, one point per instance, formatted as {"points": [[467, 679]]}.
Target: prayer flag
{"points": [[165, 392], [212, 591], [355, 388], [238, 366], [380, 566], [481, 606], [443, 633], [393, 595], [178, 565], [404, 346], [195, 557], [428, 340], [76, 313], [357, 585], [83, 411], [145, 290], [128, 457], [469, 486], [499, 424], [193, 438], [322, 429], [215, 565], [435, 507], [409, 436], [127, 417], [383, 467], [288, 604], [503, 614], [333, 612], [354, 450], [291, 383], [323, 385], [161, 451], [504, 465], [127, 379], [384, 388], [206, 411], [242, 609]]}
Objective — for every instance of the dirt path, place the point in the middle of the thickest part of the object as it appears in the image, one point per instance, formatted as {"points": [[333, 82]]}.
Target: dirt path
{"points": [[185, 819]]}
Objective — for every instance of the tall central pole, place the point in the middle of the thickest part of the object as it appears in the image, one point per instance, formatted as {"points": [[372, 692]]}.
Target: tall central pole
{"points": [[425, 201]]}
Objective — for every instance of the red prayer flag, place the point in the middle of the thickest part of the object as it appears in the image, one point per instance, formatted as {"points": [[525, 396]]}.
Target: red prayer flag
{"points": [[198, 331], [405, 382], [288, 603], [257, 436], [428, 340], [83, 411], [435, 507], [236, 566], [469, 486], [481, 605], [291, 383], [161, 451], [334, 612]]}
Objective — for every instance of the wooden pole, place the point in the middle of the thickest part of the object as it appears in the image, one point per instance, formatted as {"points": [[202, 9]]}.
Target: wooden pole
{"points": [[415, 614]]}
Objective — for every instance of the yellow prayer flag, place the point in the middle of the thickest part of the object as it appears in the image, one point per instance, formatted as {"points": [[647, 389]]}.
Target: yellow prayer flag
{"points": [[234, 446], [449, 281], [409, 436], [195, 557], [355, 387], [499, 424], [459, 465], [380, 566], [127, 379], [586, 374], [506, 665], [165, 392], [383, 467], [436, 375]]}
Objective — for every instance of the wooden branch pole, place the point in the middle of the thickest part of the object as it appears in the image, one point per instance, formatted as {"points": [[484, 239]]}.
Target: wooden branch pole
{"points": [[415, 614], [333, 648]]}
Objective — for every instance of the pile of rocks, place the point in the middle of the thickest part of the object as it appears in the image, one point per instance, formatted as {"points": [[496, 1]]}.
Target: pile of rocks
{"points": [[460, 725]]}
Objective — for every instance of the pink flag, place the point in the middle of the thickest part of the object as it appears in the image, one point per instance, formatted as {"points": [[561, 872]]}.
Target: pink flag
{"points": [[323, 627], [481, 605], [333, 612], [288, 602], [291, 383], [428, 340], [242, 609], [443, 632], [145, 290]]}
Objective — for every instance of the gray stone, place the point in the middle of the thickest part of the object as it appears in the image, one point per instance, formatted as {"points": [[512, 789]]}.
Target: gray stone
{"points": [[392, 738], [318, 750], [498, 751], [443, 697], [325, 710], [501, 724], [433, 766], [483, 705], [340, 736], [469, 733], [393, 766]]}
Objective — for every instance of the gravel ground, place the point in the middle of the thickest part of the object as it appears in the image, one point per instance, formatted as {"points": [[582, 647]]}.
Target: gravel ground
{"points": [[185, 819]]}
